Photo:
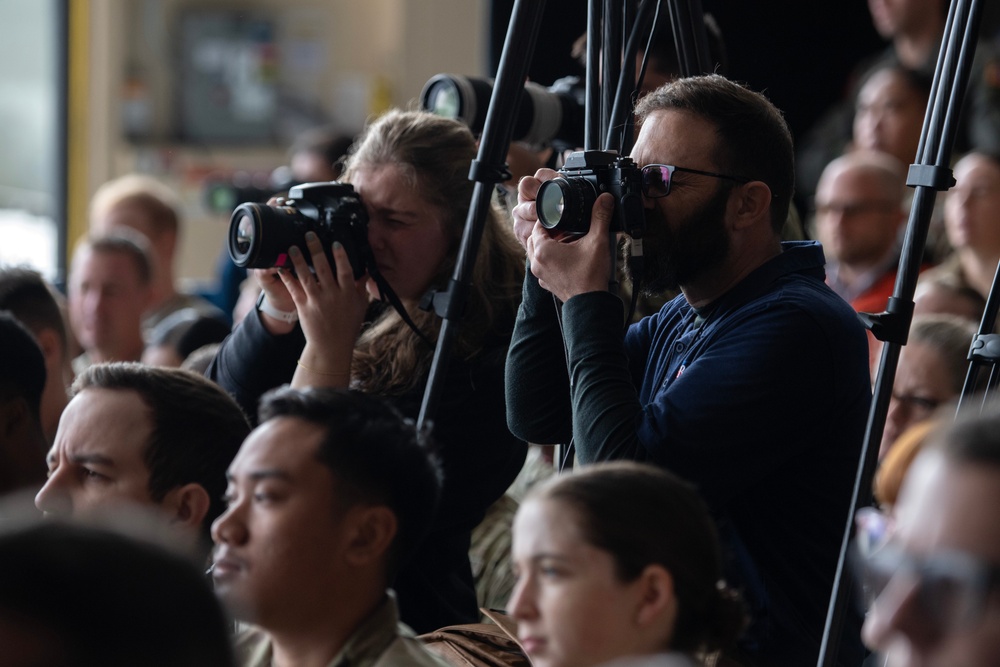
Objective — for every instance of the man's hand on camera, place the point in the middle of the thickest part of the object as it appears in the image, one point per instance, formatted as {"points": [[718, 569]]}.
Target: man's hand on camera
{"points": [[579, 266]]}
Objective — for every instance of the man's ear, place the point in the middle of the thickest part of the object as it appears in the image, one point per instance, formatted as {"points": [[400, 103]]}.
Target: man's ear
{"points": [[371, 530], [52, 346], [752, 203], [187, 505], [657, 602]]}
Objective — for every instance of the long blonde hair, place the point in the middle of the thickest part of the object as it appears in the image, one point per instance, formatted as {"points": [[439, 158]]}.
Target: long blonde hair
{"points": [[435, 153]]}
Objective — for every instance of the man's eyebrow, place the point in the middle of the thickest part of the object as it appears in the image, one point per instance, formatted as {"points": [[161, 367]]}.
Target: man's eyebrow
{"points": [[99, 459], [266, 473]]}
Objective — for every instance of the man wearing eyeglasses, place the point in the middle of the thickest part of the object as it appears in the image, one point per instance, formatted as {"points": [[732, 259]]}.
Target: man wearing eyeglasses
{"points": [[859, 212], [753, 383], [933, 569]]}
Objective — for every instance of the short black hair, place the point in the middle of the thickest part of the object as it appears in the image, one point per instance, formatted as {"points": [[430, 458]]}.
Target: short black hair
{"points": [[187, 330], [22, 366], [197, 427], [29, 298], [753, 139], [109, 599], [377, 456]]}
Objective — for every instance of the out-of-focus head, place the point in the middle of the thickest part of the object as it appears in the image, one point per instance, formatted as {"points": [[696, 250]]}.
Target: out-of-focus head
{"points": [[326, 498], [946, 298], [31, 300], [599, 578], [889, 113], [173, 340], [662, 65], [930, 372], [80, 596], [934, 571], [318, 155], [894, 18], [859, 207], [22, 381], [140, 203], [109, 290], [970, 207], [148, 436]]}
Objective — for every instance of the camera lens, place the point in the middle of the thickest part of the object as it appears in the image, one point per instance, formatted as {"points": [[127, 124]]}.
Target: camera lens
{"points": [[564, 204], [543, 115], [246, 233], [260, 235]]}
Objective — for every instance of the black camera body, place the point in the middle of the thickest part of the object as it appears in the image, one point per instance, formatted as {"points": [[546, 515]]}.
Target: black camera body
{"points": [[260, 235], [564, 204]]}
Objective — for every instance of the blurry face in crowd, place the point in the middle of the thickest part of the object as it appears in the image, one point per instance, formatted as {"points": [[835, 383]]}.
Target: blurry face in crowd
{"points": [[856, 220], [572, 609], [279, 543], [121, 215], [406, 233], [96, 462], [106, 301], [922, 383], [972, 205], [892, 17], [889, 116], [936, 611]]}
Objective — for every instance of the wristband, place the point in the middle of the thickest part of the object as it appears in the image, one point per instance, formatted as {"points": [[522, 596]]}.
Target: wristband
{"points": [[264, 306]]}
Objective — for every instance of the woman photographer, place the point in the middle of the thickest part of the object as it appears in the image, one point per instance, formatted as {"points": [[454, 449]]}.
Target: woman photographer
{"points": [[411, 171], [619, 561]]}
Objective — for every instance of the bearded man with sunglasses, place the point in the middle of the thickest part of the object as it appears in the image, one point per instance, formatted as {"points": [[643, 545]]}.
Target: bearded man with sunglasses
{"points": [[753, 383]]}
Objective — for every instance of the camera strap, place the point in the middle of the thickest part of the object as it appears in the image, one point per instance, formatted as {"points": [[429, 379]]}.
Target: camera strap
{"points": [[386, 293]]}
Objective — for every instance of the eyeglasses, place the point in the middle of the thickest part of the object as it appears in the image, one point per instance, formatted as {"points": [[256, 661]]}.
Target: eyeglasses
{"points": [[656, 178], [855, 209], [949, 588]]}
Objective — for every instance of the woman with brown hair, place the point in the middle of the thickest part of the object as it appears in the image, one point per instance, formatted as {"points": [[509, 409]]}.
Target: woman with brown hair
{"points": [[322, 327], [619, 561]]}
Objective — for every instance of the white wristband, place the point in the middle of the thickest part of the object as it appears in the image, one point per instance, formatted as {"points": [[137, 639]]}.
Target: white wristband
{"points": [[264, 306]]}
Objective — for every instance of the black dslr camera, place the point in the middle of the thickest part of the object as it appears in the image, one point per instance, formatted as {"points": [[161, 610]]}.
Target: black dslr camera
{"points": [[260, 235], [564, 204]]}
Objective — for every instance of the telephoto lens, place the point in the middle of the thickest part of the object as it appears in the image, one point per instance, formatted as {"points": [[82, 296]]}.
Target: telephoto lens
{"points": [[544, 115]]}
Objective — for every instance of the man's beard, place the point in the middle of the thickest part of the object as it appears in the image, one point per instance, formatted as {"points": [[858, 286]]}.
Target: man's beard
{"points": [[675, 257]]}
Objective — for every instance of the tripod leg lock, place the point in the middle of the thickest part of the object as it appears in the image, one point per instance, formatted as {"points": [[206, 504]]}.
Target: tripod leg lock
{"points": [[930, 176], [893, 325], [985, 347]]}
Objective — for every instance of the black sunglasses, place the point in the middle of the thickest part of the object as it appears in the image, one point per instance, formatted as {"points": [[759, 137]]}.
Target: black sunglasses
{"points": [[656, 178]]}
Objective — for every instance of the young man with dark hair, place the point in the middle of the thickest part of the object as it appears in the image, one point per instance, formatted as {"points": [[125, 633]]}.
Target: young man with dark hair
{"points": [[30, 299], [152, 436], [326, 499], [933, 568], [753, 383]]}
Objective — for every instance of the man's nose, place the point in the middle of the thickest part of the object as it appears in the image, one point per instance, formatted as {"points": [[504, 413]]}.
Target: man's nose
{"points": [[229, 528], [52, 498]]}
